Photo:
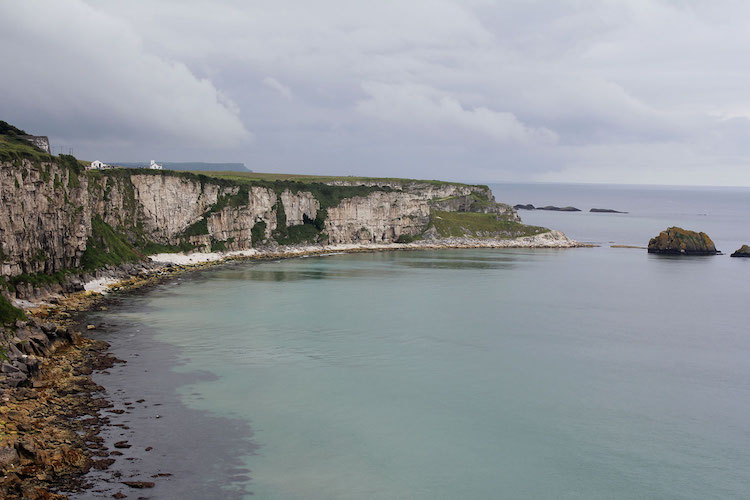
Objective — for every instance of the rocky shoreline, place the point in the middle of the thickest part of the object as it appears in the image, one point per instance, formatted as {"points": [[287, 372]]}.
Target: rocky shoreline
{"points": [[52, 411]]}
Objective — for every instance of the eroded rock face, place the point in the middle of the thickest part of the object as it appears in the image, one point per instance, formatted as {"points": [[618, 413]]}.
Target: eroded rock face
{"points": [[170, 204], [678, 241], [743, 251], [299, 205], [380, 217]]}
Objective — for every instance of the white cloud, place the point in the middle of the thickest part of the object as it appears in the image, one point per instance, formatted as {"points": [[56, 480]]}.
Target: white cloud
{"points": [[276, 85], [77, 72], [425, 107]]}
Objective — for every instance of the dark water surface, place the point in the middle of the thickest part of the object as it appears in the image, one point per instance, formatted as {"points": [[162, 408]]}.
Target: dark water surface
{"points": [[584, 373]]}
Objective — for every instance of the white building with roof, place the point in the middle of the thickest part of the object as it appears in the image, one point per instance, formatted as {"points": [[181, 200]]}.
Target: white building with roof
{"points": [[98, 165], [155, 166]]}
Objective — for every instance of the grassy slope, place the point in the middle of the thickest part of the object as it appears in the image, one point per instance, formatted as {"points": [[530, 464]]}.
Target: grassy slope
{"points": [[9, 313], [470, 224]]}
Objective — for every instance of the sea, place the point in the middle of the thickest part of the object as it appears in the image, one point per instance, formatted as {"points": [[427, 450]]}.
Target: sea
{"points": [[587, 373]]}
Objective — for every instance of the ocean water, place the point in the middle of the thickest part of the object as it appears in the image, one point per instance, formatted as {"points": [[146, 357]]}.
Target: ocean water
{"points": [[583, 373]]}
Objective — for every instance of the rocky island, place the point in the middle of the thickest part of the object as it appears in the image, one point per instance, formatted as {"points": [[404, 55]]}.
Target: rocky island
{"points": [[551, 208], [743, 251], [605, 211], [678, 241], [67, 229]]}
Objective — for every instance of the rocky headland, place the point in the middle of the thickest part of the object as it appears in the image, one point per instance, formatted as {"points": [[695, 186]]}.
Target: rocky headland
{"points": [[679, 241]]}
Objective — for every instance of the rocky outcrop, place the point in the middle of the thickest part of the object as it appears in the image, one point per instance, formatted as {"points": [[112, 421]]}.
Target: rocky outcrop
{"points": [[743, 251], [678, 241], [299, 205]]}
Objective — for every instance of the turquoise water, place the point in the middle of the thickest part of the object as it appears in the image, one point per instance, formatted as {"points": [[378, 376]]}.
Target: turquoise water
{"points": [[584, 373]]}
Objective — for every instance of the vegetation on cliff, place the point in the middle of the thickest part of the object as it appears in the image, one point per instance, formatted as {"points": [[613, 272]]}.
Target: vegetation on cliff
{"points": [[9, 314], [679, 241], [478, 225], [106, 247]]}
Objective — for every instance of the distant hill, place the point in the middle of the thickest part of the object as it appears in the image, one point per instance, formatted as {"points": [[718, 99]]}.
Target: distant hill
{"points": [[188, 165]]}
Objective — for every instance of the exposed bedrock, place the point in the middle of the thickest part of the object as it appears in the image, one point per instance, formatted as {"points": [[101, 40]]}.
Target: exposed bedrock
{"points": [[679, 241]]}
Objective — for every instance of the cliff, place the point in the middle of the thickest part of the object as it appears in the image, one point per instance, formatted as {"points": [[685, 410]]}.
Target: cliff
{"points": [[58, 219]]}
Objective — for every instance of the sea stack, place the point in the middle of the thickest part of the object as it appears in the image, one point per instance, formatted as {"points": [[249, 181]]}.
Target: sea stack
{"points": [[743, 251], [678, 241]]}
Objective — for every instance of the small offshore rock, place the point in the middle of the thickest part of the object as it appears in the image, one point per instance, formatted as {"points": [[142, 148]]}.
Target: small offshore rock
{"points": [[678, 241], [605, 211], [743, 251], [528, 206], [139, 484], [559, 209]]}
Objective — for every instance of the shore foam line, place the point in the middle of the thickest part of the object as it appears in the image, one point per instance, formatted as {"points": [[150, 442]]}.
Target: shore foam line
{"points": [[551, 239]]}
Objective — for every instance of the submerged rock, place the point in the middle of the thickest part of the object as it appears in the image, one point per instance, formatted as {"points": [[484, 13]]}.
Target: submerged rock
{"points": [[743, 251], [678, 241]]}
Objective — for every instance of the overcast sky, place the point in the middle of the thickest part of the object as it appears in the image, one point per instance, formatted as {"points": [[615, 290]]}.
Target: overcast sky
{"points": [[630, 91]]}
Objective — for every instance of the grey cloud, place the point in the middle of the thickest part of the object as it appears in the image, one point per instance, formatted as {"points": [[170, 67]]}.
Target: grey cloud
{"points": [[83, 75], [481, 90]]}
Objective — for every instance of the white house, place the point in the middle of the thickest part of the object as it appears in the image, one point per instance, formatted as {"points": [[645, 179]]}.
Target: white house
{"points": [[155, 166], [98, 165]]}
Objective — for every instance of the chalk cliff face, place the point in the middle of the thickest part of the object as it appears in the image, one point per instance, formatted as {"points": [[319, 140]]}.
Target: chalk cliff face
{"points": [[170, 204], [45, 219], [378, 218], [47, 211]]}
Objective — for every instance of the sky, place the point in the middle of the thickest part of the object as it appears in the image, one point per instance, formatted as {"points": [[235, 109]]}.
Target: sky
{"points": [[630, 91]]}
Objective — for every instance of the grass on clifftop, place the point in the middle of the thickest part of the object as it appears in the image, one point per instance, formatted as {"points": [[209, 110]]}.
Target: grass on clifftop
{"points": [[14, 149], [476, 225], [259, 176]]}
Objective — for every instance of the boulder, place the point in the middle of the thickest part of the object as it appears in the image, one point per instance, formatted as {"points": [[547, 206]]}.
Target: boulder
{"points": [[678, 241], [743, 251]]}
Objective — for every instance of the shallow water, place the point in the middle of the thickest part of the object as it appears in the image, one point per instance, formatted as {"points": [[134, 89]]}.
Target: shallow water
{"points": [[583, 373]]}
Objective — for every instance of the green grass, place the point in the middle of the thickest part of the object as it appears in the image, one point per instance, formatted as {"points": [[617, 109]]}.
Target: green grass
{"points": [[258, 233], [9, 313], [14, 149], [469, 224], [106, 247], [272, 177]]}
